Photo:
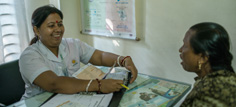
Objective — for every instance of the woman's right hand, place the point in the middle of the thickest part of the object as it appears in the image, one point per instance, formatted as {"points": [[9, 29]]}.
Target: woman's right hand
{"points": [[110, 85]]}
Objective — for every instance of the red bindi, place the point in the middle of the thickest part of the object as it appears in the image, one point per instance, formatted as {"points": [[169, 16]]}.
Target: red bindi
{"points": [[56, 21]]}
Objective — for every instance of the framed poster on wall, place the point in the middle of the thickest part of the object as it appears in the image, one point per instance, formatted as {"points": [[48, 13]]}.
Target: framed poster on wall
{"points": [[110, 18]]}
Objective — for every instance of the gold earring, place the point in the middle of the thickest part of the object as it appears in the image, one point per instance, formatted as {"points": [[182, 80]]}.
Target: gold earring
{"points": [[199, 65]]}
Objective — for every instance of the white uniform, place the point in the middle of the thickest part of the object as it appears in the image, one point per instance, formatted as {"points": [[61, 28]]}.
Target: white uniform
{"points": [[37, 59]]}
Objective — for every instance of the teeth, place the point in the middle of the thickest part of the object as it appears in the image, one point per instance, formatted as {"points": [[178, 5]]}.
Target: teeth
{"points": [[56, 35]]}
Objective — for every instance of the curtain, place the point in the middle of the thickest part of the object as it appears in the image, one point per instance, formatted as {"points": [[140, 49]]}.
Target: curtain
{"points": [[13, 29]]}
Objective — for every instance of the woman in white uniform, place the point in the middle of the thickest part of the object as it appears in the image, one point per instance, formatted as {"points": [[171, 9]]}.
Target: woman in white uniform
{"points": [[50, 60]]}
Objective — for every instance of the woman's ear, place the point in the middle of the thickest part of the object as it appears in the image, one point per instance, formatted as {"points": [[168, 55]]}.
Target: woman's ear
{"points": [[203, 59], [36, 31]]}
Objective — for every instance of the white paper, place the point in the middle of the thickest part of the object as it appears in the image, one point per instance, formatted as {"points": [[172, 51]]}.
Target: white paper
{"points": [[89, 72], [77, 100]]}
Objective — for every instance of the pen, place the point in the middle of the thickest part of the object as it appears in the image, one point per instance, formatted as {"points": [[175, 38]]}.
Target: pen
{"points": [[124, 86]]}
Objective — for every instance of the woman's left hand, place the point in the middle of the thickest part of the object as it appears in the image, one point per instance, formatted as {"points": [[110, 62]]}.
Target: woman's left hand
{"points": [[128, 64]]}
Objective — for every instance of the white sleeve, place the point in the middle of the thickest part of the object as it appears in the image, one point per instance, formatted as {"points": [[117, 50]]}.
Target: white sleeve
{"points": [[32, 64]]}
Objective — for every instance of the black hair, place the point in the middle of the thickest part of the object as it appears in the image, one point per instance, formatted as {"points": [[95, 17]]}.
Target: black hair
{"points": [[213, 41], [40, 15]]}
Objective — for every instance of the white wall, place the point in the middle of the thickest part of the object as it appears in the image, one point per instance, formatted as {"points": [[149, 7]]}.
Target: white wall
{"points": [[161, 25]]}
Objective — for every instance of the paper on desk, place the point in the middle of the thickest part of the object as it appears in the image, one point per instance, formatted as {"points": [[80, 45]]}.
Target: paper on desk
{"points": [[154, 92], [77, 100], [139, 80], [88, 72], [118, 75]]}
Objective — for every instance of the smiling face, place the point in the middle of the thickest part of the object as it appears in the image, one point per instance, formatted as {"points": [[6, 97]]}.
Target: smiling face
{"points": [[189, 58], [51, 31]]}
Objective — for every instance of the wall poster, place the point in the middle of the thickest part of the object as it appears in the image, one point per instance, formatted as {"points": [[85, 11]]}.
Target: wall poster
{"points": [[111, 18]]}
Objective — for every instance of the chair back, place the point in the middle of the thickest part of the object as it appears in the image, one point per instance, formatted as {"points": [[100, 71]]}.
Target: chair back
{"points": [[12, 86]]}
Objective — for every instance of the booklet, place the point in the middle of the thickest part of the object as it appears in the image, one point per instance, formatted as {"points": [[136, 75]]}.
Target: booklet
{"points": [[149, 91]]}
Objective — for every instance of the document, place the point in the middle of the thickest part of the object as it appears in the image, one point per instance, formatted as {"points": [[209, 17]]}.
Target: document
{"points": [[77, 100], [89, 72]]}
